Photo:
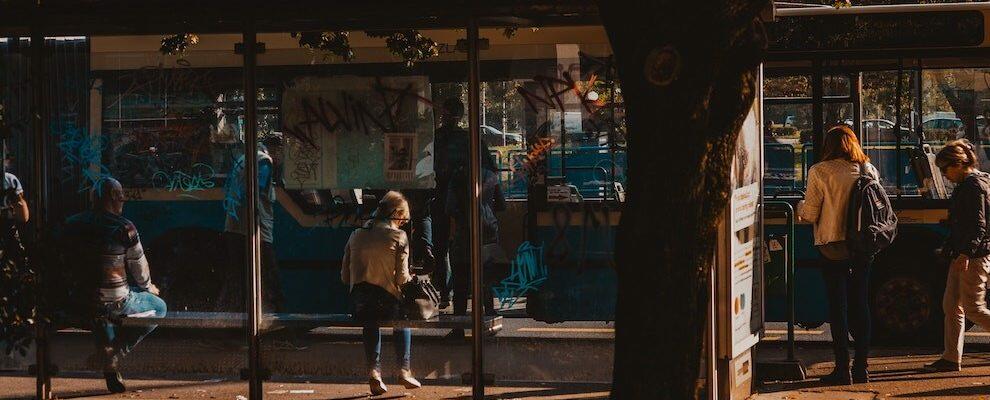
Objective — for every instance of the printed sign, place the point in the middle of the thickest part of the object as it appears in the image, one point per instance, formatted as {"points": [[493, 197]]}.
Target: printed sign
{"points": [[739, 264], [358, 132], [400, 149]]}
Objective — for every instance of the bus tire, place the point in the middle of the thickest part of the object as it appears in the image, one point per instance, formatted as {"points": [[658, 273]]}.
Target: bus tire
{"points": [[906, 307]]}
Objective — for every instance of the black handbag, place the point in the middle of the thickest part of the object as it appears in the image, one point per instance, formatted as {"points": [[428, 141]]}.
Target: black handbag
{"points": [[420, 300]]}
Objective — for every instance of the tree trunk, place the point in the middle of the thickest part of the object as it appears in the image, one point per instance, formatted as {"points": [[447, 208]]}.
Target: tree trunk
{"points": [[689, 75]]}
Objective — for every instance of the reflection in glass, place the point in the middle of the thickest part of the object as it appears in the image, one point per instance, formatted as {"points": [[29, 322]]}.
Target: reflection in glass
{"points": [[880, 112], [787, 146], [787, 86]]}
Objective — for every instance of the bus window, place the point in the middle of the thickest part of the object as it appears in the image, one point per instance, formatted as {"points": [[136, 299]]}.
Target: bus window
{"points": [[836, 86], [954, 106], [787, 87], [837, 114], [877, 129], [787, 131]]}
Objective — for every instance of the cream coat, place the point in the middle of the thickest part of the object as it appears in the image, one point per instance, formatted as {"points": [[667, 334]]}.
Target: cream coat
{"points": [[829, 187], [377, 254]]}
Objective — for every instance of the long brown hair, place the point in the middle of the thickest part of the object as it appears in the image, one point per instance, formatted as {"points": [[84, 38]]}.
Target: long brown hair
{"points": [[841, 143]]}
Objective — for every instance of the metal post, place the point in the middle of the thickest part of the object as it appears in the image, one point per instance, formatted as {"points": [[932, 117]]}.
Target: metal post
{"points": [[790, 368], [711, 337], [897, 123], [474, 108], [817, 109], [39, 121], [251, 201], [916, 126]]}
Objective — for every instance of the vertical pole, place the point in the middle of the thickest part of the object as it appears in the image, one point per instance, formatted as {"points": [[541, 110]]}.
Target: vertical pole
{"points": [[610, 80], [711, 339], [897, 123], [856, 85], [916, 125], [474, 108], [39, 119], [817, 109], [251, 186]]}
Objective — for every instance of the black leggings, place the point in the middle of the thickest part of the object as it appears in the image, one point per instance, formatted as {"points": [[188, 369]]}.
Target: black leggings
{"points": [[848, 286]]}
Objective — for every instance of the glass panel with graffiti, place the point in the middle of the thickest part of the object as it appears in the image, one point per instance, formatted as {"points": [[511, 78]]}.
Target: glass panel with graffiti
{"points": [[144, 144], [364, 189], [548, 262]]}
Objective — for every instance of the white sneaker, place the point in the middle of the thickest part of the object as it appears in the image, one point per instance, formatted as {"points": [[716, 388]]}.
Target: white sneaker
{"points": [[407, 380], [375, 383]]}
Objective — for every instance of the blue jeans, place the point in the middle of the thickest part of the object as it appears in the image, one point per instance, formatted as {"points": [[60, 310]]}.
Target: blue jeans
{"points": [[372, 335], [123, 340], [848, 286], [372, 304]]}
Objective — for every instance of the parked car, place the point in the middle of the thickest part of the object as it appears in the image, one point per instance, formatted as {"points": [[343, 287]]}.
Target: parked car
{"points": [[882, 130], [495, 137]]}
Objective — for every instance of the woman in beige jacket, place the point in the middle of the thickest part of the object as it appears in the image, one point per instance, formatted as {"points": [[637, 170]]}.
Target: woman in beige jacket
{"points": [[376, 265], [847, 276]]}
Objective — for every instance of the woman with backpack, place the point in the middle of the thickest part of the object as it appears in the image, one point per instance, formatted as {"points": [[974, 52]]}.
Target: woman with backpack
{"points": [[968, 246], [846, 275], [375, 266]]}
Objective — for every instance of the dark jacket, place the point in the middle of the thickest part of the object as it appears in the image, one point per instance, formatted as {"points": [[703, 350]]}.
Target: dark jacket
{"points": [[968, 232]]}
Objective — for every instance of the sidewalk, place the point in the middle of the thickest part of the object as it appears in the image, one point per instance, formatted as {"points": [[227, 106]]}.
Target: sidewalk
{"points": [[89, 386], [895, 374]]}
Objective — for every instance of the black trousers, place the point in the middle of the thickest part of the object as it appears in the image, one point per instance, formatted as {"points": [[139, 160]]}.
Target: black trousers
{"points": [[462, 290], [848, 287], [440, 227]]}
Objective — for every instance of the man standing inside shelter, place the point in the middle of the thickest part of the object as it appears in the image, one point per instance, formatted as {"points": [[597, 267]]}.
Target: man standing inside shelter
{"points": [[115, 274], [448, 134], [237, 227]]}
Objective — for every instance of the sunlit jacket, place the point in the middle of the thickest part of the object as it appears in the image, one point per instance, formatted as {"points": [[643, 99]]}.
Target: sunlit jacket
{"points": [[377, 254]]}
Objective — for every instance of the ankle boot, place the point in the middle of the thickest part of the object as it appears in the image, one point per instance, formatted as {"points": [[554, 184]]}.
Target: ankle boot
{"points": [[860, 374], [407, 380], [111, 375], [839, 376], [375, 383]]}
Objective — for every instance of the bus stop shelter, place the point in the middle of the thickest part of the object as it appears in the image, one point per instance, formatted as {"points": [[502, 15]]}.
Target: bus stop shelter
{"points": [[47, 19]]}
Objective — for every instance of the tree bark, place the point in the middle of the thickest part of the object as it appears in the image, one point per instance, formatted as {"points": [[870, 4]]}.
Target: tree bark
{"points": [[689, 75]]}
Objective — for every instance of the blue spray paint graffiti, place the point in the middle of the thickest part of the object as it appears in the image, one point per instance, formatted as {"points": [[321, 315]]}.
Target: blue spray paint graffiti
{"points": [[233, 190], [527, 274], [82, 151], [197, 179]]}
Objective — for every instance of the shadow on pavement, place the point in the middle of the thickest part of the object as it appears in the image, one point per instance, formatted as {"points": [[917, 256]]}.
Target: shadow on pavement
{"points": [[964, 391], [550, 390]]}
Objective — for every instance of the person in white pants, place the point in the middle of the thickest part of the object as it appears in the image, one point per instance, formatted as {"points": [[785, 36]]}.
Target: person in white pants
{"points": [[969, 245]]}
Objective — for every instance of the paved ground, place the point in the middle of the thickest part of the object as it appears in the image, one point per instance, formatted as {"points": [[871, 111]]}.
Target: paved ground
{"points": [[896, 371], [89, 387], [896, 374]]}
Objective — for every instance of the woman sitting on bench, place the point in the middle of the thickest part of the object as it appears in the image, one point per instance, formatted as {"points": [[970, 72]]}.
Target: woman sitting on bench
{"points": [[376, 265]]}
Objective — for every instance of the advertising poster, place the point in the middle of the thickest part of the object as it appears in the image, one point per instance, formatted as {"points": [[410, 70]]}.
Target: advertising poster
{"points": [[740, 255], [358, 132]]}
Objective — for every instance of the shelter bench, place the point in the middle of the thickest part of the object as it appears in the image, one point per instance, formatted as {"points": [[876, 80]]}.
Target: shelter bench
{"points": [[271, 321]]}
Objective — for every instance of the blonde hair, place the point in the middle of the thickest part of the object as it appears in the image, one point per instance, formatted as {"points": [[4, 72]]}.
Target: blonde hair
{"points": [[957, 152], [392, 207], [841, 143]]}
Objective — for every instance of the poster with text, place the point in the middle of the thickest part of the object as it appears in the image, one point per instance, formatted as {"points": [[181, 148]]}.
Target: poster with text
{"points": [[358, 132], [739, 260]]}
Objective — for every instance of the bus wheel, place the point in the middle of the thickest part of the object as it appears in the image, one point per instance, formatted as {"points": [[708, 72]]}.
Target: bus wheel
{"points": [[905, 310]]}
